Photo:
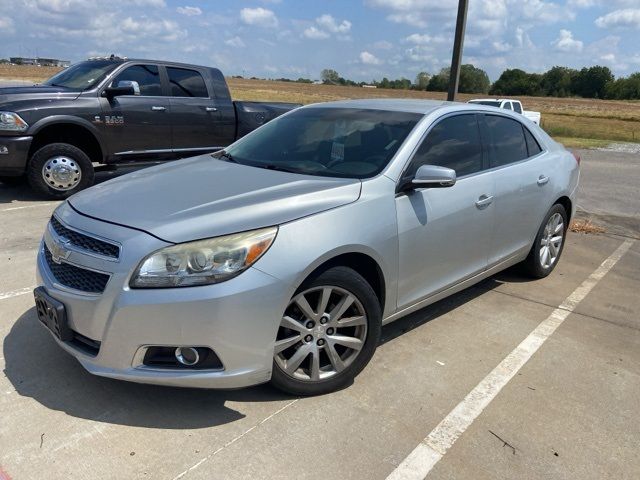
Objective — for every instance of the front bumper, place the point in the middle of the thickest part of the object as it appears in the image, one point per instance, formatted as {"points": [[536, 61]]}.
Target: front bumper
{"points": [[14, 153], [238, 319]]}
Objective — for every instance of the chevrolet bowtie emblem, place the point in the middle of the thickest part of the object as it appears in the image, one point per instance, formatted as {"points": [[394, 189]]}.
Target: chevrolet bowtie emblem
{"points": [[59, 250]]}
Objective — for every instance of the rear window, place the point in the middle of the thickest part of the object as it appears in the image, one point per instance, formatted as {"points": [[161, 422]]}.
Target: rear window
{"points": [[507, 142], [532, 144], [186, 83], [488, 103]]}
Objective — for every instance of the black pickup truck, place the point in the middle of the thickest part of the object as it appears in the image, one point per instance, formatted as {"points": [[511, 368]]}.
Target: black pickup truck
{"points": [[114, 111]]}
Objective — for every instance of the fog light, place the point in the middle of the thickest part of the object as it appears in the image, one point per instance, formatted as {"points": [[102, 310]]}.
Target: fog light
{"points": [[4, 150], [187, 356]]}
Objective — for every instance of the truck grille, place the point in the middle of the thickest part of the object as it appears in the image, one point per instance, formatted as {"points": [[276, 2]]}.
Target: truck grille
{"points": [[76, 277], [85, 242]]}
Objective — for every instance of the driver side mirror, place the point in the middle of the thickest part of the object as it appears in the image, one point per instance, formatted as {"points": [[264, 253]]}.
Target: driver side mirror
{"points": [[124, 87], [431, 176]]}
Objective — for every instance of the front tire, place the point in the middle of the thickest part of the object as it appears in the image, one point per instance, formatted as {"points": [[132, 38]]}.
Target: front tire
{"points": [[59, 170], [328, 333], [548, 244]]}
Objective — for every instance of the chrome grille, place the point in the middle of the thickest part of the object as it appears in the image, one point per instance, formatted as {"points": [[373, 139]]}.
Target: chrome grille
{"points": [[85, 242], [76, 277]]}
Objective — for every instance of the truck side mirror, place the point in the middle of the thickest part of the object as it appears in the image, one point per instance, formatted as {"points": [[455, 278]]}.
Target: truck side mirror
{"points": [[124, 87]]}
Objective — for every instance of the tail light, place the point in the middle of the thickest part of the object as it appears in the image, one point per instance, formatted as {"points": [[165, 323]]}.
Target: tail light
{"points": [[576, 156]]}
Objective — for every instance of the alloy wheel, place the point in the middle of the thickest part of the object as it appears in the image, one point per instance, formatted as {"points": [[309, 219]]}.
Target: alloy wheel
{"points": [[316, 343], [551, 241]]}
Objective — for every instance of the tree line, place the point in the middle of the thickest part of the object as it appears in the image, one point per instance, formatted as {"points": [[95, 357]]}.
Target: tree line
{"points": [[592, 82]]}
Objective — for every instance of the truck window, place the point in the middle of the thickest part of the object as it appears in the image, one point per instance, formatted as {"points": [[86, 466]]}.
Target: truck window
{"points": [[508, 106], [517, 106], [147, 77], [186, 83], [507, 144]]}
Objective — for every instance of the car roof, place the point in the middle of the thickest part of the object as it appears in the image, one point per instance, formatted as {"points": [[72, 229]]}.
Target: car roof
{"points": [[389, 104], [493, 100]]}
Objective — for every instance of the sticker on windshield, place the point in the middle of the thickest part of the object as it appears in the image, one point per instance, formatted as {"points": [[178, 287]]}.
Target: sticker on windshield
{"points": [[337, 151]]}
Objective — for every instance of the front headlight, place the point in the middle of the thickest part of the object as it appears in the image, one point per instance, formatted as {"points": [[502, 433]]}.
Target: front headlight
{"points": [[203, 262], [12, 122]]}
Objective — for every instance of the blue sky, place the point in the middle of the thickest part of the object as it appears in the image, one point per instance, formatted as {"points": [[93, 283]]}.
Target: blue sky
{"points": [[361, 39]]}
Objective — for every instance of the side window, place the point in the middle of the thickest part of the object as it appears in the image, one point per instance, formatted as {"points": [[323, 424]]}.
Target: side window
{"points": [[186, 83], [508, 106], [507, 143], [517, 106], [147, 77], [532, 144], [453, 143]]}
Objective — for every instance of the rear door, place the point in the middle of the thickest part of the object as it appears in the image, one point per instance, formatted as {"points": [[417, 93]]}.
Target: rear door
{"points": [[444, 233], [521, 172], [195, 115], [138, 125]]}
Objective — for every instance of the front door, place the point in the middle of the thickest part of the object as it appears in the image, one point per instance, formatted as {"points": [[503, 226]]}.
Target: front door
{"points": [[138, 125], [444, 233]]}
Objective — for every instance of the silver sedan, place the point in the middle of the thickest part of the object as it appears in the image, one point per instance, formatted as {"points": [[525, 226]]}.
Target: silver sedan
{"points": [[280, 258]]}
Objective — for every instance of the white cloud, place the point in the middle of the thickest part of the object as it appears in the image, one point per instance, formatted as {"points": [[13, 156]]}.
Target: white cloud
{"points": [[330, 24], [328, 27], [189, 11], [369, 59], [6, 25], [383, 45], [628, 17], [235, 42], [259, 16], [566, 43], [315, 33]]}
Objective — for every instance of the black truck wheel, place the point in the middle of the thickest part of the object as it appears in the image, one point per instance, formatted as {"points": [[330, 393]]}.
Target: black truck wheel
{"points": [[59, 170]]}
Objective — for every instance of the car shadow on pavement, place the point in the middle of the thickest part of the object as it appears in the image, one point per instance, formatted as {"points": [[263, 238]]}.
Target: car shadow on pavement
{"points": [[414, 320], [21, 192], [38, 368]]}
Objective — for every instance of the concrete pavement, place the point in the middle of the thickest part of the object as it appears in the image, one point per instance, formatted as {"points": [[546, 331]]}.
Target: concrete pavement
{"points": [[570, 412]]}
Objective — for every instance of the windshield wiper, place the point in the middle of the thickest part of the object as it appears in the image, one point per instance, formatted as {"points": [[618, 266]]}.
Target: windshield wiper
{"points": [[225, 157], [271, 166]]}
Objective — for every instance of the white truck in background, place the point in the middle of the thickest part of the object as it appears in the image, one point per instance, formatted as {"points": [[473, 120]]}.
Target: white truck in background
{"points": [[509, 104]]}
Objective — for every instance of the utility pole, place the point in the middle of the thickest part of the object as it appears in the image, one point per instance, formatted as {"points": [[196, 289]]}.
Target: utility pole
{"points": [[458, 43]]}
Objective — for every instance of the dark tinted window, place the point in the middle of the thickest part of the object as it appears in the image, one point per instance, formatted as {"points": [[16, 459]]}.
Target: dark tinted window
{"points": [[507, 143], [452, 143], [508, 106], [147, 77], [532, 144], [517, 107], [332, 142], [186, 83]]}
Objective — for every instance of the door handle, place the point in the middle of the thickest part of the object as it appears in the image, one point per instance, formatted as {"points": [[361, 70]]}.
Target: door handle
{"points": [[211, 109], [542, 179], [484, 201], [158, 109]]}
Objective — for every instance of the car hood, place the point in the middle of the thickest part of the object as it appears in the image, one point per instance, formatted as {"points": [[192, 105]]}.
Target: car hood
{"points": [[203, 197], [8, 94]]}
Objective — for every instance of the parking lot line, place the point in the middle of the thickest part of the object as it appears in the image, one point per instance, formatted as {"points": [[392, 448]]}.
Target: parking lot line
{"points": [[16, 293], [28, 206], [428, 453], [232, 441]]}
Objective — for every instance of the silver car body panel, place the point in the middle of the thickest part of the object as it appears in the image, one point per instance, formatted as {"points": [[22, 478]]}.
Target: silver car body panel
{"points": [[427, 244]]}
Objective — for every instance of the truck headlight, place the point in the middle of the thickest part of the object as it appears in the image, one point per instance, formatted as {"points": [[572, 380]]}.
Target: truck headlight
{"points": [[203, 262], [12, 122]]}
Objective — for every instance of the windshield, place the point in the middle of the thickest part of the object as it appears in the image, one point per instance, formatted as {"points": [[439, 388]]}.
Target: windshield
{"points": [[83, 75], [489, 103], [333, 142]]}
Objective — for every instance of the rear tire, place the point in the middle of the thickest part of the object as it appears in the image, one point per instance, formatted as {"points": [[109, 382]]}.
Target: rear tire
{"points": [[548, 244], [322, 345], [59, 170]]}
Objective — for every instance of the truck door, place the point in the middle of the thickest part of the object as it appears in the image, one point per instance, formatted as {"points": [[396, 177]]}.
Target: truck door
{"points": [[194, 112], [138, 125]]}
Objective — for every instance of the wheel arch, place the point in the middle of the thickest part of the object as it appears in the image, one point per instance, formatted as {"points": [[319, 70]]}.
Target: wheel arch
{"points": [[360, 262], [567, 204], [80, 134]]}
